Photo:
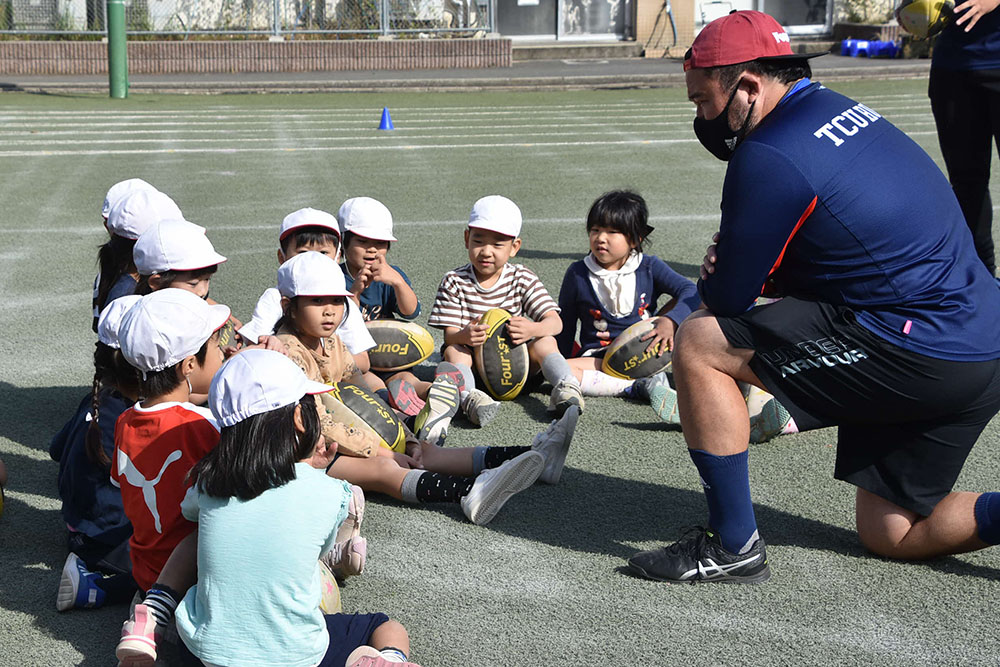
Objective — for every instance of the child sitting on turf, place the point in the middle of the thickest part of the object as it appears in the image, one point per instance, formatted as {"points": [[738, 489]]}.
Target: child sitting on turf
{"points": [[615, 286], [248, 497], [490, 281], [98, 569], [309, 230], [384, 292], [315, 298], [171, 338], [130, 208]]}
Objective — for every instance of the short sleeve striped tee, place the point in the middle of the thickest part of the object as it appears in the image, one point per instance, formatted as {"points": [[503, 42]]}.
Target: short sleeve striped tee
{"points": [[461, 299]]}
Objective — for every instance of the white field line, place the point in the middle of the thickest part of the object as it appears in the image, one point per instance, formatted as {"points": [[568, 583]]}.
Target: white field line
{"points": [[367, 112], [44, 143], [322, 149], [96, 229], [32, 123], [132, 136]]}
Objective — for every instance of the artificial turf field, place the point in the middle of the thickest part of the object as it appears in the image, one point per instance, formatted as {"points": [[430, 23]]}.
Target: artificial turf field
{"points": [[542, 583]]}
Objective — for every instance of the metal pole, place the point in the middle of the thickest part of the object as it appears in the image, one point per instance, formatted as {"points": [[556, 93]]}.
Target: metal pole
{"points": [[384, 17], [117, 49], [277, 18]]}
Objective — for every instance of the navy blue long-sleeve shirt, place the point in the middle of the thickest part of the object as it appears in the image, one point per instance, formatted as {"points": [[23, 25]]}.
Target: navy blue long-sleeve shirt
{"points": [[827, 201]]}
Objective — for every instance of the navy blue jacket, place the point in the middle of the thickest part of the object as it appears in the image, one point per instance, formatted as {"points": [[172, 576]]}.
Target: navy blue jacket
{"points": [[579, 303], [91, 503]]}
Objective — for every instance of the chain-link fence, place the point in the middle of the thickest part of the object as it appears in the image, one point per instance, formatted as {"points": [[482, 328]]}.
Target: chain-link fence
{"points": [[344, 18]]}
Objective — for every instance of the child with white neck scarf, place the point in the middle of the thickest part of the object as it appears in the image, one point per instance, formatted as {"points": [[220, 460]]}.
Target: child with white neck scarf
{"points": [[612, 288]]}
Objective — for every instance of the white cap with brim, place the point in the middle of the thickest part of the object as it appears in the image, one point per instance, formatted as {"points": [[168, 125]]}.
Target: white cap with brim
{"points": [[137, 211], [311, 274], [110, 320], [257, 381], [308, 217], [167, 326], [366, 217], [497, 214], [119, 190], [174, 245]]}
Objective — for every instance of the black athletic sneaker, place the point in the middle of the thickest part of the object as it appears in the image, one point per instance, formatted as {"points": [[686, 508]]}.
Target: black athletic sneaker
{"points": [[699, 556]]}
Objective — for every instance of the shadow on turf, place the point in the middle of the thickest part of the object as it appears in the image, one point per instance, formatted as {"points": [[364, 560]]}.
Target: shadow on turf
{"points": [[601, 514], [33, 540]]}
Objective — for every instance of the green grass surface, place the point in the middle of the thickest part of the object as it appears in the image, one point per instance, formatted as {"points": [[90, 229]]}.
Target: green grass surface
{"points": [[541, 584]]}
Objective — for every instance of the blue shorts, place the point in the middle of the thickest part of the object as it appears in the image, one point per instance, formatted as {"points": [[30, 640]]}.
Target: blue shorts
{"points": [[347, 632]]}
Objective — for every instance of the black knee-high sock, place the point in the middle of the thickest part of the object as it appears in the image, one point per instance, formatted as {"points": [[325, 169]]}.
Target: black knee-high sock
{"points": [[435, 487], [495, 456]]}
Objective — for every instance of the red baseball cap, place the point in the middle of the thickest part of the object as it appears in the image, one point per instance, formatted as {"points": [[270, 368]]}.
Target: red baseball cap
{"points": [[740, 37]]}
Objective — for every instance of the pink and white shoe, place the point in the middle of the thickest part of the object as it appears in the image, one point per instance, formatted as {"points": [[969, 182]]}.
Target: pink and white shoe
{"points": [[137, 646], [355, 515], [403, 397], [369, 656], [347, 559]]}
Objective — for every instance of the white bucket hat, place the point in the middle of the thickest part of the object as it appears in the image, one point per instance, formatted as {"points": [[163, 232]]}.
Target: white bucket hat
{"points": [[257, 381], [308, 217], [497, 214], [137, 211], [366, 217], [311, 274], [174, 245], [166, 326], [121, 189], [111, 319]]}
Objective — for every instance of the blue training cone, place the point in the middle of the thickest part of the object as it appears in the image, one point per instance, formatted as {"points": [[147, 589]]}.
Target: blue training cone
{"points": [[386, 123]]}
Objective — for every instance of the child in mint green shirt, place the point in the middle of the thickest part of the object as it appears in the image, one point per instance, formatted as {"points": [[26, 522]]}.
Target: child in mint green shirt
{"points": [[264, 520]]}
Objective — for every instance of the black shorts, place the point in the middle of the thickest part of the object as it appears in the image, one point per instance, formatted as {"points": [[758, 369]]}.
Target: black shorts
{"points": [[907, 422], [348, 632]]}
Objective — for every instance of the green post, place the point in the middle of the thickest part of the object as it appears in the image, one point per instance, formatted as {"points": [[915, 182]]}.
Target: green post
{"points": [[117, 50]]}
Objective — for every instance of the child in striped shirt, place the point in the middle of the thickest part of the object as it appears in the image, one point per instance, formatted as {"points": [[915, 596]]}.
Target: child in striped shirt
{"points": [[490, 281]]}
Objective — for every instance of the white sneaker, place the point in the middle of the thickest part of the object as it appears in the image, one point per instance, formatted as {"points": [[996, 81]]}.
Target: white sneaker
{"points": [[553, 443], [771, 421], [431, 423], [565, 394], [494, 486], [479, 407]]}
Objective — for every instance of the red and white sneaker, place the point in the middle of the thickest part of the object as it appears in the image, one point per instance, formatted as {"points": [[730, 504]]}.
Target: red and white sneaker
{"points": [[137, 647]]}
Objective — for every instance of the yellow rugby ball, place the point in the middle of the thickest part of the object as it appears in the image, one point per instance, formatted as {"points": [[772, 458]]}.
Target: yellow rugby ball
{"points": [[329, 591], [355, 407], [398, 344], [627, 356], [502, 365]]}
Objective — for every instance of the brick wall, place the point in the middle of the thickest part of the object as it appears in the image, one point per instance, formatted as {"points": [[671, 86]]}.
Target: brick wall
{"points": [[252, 56]]}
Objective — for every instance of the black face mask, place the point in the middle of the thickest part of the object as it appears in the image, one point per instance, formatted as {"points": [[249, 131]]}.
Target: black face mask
{"points": [[715, 134]]}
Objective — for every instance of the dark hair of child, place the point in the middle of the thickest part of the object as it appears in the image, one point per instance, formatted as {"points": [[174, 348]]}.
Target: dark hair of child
{"points": [[142, 288], [114, 259], [286, 319], [258, 453], [624, 211], [158, 383], [305, 236], [111, 372]]}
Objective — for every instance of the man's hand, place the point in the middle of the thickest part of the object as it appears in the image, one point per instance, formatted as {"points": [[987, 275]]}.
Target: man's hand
{"points": [[970, 11], [662, 335], [521, 329], [708, 263]]}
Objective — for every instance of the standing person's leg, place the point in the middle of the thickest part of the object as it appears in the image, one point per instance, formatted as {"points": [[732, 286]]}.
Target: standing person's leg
{"points": [[965, 125]]}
